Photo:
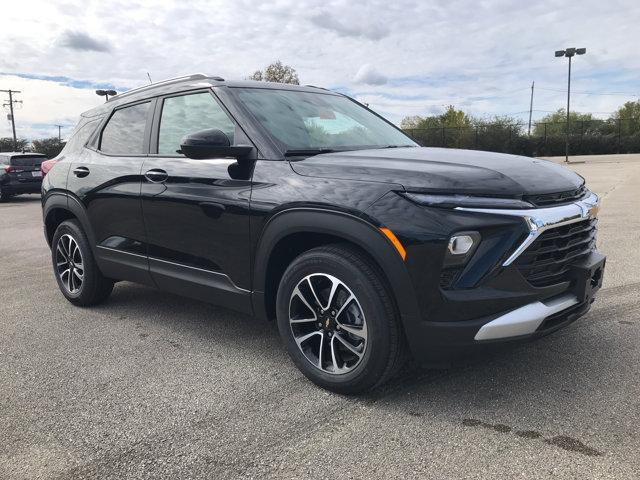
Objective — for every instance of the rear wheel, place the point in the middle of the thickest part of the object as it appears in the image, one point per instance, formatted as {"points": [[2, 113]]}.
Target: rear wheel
{"points": [[77, 274], [338, 321]]}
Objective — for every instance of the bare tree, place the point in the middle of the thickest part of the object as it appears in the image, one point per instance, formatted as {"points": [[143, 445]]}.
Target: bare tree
{"points": [[278, 73]]}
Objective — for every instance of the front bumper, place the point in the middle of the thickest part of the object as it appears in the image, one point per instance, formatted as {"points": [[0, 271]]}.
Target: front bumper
{"points": [[493, 301]]}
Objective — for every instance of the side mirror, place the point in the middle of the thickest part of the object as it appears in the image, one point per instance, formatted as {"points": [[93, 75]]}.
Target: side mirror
{"points": [[212, 143]]}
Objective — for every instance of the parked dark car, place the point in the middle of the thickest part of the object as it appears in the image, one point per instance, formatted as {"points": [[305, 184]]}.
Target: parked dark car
{"points": [[20, 173], [300, 204]]}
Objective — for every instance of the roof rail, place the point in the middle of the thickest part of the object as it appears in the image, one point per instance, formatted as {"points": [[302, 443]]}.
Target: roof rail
{"points": [[169, 81], [315, 86]]}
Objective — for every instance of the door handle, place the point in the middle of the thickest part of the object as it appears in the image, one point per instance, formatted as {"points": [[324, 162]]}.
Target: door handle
{"points": [[81, 172], [156, 175]]}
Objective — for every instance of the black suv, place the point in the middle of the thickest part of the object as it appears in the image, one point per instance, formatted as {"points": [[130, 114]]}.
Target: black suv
{"points": [[300, 204], [20, 173]]}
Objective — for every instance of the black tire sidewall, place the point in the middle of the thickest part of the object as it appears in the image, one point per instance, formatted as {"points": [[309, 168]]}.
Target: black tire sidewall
{"points": [[376, 357], [92, 276]]}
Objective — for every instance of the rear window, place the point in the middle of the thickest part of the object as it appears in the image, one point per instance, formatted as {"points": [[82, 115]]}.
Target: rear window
{"points": [[27, 160]]}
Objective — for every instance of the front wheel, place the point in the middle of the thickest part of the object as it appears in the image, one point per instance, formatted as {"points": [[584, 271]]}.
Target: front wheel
{"points": [[338, 321]]}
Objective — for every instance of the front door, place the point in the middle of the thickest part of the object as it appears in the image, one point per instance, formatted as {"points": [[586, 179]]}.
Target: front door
{"points": [[196, 211]]}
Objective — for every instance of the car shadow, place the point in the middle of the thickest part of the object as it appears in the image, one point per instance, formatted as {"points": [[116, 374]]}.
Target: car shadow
{"points": [[22, 199]]}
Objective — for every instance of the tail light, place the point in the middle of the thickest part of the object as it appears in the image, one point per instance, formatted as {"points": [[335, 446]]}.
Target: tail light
{"points": [[9, 168]]}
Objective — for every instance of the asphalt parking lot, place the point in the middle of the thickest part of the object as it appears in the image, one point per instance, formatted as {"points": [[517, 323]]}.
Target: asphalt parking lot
{"points": [[151, 385]]}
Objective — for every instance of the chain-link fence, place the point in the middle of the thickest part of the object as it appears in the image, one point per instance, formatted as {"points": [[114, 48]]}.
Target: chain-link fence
{"points": [[546, 139]]}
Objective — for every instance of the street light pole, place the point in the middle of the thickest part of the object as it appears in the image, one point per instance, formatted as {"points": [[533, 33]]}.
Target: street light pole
{"points": [[566, 134], [569, 53], [531, 108]]}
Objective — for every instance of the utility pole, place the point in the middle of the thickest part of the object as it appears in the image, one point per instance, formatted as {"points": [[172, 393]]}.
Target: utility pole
{"points": [[531, 107], [13, 122], [59, 136]]}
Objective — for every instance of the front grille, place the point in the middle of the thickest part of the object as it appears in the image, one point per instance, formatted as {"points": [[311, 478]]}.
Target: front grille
{"points": [[560, 198], [548, 259], [448, 276]]}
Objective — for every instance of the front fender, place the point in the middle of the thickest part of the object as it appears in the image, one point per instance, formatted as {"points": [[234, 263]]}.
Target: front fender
{"points": [[348, 227]]}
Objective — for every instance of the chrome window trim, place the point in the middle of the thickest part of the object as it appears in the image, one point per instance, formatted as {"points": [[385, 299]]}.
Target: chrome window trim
{"points": [[539, 220]]}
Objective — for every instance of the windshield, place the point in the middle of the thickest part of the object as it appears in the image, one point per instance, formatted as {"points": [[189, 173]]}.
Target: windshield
{"points": [[316, 121]]}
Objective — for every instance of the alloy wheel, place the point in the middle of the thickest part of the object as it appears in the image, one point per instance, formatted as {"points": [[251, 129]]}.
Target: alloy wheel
{"points": [[328, 323], [69, 263]]}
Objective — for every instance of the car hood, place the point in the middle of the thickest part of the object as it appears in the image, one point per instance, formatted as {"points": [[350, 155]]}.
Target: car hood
{"points": [[444, 170]]}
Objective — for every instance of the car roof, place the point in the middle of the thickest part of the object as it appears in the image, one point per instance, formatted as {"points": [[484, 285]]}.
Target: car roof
{"points": [[192, 82]]}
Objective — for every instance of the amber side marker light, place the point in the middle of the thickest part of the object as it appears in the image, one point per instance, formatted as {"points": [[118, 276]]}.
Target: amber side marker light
{"points": [[394, 241]]}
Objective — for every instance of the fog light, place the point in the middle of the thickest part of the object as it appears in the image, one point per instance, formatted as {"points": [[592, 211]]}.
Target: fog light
{"points": [[460, 244]]}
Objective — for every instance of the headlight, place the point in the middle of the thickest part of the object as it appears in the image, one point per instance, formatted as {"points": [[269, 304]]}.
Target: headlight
{"points": [[452, 201]]}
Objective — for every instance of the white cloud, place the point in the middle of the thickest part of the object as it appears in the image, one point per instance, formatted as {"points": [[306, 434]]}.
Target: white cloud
{"points": [[368, 75], [480, 55], [45, 104]]}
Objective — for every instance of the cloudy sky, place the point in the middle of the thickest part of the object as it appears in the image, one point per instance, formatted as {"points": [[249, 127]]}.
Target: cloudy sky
{"points": [[403, 57]]}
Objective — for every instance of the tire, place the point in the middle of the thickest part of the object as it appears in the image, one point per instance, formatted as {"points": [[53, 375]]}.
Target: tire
{"points": [[83, 284], [4, 196], [362, 315]]}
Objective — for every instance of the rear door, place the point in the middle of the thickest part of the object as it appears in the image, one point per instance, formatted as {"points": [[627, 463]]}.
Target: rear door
{"points": [[106, 180], [196, 211]]}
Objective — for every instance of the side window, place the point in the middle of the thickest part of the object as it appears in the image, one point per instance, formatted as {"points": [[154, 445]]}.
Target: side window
{"points": [[124, 133], [189, 114]]}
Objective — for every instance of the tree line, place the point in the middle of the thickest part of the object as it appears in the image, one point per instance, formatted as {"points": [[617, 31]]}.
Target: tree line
{"points": [[619, 133], [555, 122], [50, 147]]}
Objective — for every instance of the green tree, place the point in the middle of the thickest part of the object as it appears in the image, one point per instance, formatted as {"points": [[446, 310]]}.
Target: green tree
{"points": [[6, 144], [556, 123], [51, 147], [629, 117], [450, 118], [455, 118], [411, 122], [278, 73]]}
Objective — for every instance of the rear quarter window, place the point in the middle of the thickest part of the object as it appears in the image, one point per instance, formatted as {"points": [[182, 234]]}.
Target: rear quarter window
{"points": [[124, 133], [27, 160], [80, 135]]}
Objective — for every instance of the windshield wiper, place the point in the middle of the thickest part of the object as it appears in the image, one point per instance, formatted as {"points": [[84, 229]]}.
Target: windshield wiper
{"points": [[307, 152], [396, 146]]}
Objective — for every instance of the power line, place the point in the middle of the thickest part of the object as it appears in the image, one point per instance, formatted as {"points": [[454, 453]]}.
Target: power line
{"points": [[589, 93]]}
